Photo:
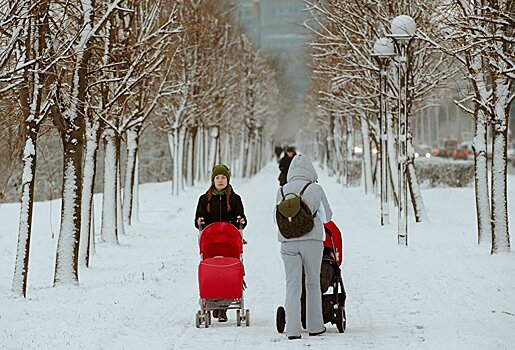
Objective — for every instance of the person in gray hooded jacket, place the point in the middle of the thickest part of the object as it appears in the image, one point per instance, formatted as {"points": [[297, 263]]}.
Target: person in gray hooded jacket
{"points": [[304, 251]]}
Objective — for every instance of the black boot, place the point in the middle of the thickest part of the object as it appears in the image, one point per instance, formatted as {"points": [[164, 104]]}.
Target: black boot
{"points": [[222, 316], [314, 334]]}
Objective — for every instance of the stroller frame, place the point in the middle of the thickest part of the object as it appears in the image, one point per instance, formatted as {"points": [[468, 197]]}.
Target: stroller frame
{"points": [[338, 295]]}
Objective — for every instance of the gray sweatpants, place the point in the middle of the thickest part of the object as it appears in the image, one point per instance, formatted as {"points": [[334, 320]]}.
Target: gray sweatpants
{"points": [[295, 254]]}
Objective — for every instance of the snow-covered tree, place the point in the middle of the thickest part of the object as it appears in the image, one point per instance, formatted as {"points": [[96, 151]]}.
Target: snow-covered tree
{"points": [[480, 35], [77, 27], [345, 32], [25, 61]]}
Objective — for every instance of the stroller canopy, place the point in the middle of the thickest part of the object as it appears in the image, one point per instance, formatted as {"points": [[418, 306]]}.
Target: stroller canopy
{"points": [[331, 228], [220, 239]]}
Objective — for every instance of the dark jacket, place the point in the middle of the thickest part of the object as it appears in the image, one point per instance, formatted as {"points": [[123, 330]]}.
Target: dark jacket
{"points": [[219, 211], [284, 165]]}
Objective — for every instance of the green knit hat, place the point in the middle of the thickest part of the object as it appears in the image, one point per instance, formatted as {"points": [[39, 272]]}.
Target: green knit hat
{"points": [[220, 169]]}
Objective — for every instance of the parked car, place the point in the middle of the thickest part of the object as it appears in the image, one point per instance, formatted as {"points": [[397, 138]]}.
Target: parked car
{"points": [[423, 151], [447, 151], [461, 153], [464, 151], [468, 146]]}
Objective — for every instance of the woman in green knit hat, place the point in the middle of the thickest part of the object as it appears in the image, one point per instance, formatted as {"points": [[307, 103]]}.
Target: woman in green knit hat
{"points": [[220, 203]]}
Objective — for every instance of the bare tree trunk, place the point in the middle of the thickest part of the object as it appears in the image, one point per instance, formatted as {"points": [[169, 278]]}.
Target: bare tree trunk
{"points": [[202, 135], [91, 234], [350, 138], [90, 154], [197, 158], [21, 266], [67, 258], [323, 148], [500, 233], [120, 228], [332, 153], [484, 223], [181, 153], [130, 172], [189, 159], [173, 140], [416, 196], [135, 193], [367, 161], [344, 167], [249, 154], [241, 163], [337, 146], [205, 155], [109, 230]]}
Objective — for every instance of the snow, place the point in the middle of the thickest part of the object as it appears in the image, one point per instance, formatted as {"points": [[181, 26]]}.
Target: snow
{"points": [[441, 292]]}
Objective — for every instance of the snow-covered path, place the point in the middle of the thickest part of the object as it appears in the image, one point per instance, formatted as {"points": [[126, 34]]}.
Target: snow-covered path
{"points": [[441, 292]]}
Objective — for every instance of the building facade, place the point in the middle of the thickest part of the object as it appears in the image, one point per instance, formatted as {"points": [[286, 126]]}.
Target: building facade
{"points": [[276, 27]]}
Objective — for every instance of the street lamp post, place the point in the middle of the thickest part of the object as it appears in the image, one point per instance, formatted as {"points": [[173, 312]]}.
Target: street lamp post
{"points": [[383, 52], [402, 30]]}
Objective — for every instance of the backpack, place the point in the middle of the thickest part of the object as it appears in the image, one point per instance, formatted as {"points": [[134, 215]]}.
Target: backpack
{"points": [[293, 217]]}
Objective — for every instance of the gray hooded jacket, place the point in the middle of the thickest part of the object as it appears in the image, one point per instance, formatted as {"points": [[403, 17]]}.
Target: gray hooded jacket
{"points": [[301, 172]]}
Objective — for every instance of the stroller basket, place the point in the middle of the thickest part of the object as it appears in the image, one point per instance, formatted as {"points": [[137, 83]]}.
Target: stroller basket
{"points": [[220, 277]]}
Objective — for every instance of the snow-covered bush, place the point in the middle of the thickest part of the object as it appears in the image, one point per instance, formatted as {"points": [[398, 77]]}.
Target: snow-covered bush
{"points": [[445, 173]]}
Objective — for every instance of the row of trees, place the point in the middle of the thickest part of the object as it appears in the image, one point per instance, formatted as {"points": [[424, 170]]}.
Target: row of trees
{"points": [[99, 70], [464, 40]]}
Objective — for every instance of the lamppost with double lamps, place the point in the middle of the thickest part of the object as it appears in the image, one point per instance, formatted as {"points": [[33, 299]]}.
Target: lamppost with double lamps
{"points": [[383, 52], [402, 31]]}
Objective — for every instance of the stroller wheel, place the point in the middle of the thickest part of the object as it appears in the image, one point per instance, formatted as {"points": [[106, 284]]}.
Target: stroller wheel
{"points": [[341, 321], [238, 318], [197, 319], [206, 320], [247, 317], [280, 319]]}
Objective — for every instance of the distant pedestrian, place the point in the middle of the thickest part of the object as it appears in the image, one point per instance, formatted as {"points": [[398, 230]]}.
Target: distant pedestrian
{"points": [[304, 251], [278, 151], [284, 164]]}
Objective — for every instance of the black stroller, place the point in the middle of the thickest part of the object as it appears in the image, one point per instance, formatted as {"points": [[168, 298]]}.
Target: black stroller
{"points": [[333, 302]]}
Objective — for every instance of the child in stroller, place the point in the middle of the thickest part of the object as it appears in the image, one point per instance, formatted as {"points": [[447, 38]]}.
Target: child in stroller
{"points": [[333, 303], [220, 273]]}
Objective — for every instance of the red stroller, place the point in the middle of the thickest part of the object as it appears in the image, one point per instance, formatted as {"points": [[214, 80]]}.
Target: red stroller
{"points": [[220, 273]]}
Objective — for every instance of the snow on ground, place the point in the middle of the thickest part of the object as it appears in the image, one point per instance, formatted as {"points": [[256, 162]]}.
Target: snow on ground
{"points": [[442, 292]]}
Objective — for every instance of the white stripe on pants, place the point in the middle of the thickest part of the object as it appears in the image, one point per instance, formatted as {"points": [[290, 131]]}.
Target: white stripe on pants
{"points": [[295, 254]]}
